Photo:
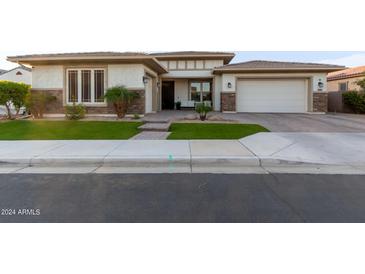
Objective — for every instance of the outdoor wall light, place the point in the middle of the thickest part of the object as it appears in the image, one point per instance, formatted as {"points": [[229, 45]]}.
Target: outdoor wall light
{"points": [[320, 84], [145, 80], [229, 84], [158, 84]]}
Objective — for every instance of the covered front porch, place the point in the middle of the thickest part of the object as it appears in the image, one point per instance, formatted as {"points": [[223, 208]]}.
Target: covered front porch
{"points": [[178, 93]]}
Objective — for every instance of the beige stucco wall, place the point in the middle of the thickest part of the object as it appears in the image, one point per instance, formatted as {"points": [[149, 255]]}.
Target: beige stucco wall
{"points": [[181, 90], [210, 64], [25, 78], [188, 74], [47, 77], [334, 85], [319, 77], [129, 75], [149, 96], [217, 88]]}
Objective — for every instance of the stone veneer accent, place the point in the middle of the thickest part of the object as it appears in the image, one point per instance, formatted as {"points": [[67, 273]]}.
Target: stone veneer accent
{"points": [[228, 101], [137, 106], [320, 102], [56, 107]]}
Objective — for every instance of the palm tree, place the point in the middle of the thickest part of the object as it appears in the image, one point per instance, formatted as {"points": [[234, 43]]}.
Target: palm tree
{"points": [[120, 97]]}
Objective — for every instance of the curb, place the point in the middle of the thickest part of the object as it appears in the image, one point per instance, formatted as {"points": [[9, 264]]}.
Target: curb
{"points": [[183, 164]]}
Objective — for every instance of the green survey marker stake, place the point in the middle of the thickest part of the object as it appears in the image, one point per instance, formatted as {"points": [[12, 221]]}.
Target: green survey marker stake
{"points": [[170, 162]]}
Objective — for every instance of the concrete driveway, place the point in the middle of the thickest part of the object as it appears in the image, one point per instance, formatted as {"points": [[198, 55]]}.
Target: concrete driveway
{"points": [[282, 122]]}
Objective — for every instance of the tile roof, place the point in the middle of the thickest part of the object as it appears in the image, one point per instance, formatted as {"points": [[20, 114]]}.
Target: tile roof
{"points": [[114, 53], [262, 64], [346, 73], [192, 53], [55, 58], [81, 54]]}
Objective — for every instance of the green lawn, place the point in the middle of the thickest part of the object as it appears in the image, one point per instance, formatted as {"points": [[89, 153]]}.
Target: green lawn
{"points": [[212, 131], [67, 130]]}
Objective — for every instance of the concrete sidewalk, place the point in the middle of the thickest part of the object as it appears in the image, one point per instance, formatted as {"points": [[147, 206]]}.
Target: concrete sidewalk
{"points": [[259, 153]]}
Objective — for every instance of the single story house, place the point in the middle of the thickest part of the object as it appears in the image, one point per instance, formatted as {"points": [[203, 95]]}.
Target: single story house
{"points": [[340, 82], [345, 80], [19, 74], [162, 79]]}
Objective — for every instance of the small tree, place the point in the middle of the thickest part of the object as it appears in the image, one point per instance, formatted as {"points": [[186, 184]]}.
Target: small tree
{"points": [[36, 103], [12, 93], [203, 110], [120, 97]]}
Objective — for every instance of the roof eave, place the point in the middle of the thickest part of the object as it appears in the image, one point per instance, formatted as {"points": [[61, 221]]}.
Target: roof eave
{"points": [[355, 75], [149, 61], [250, 70], [226, 57]]}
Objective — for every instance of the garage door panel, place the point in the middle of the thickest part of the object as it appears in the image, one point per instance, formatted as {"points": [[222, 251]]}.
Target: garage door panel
{"points": [[271, 96]]}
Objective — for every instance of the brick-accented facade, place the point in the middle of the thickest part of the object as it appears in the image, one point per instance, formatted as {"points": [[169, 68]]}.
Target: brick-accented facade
{"points": [[56, 106], [137, 106], [228, 101], [320, 102], [109, 109]]}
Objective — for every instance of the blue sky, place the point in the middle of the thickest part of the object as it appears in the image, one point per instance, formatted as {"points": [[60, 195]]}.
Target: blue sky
{"points": [[345, 58]]}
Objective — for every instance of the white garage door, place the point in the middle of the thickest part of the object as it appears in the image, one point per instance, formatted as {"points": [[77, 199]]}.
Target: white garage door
{"points": [[272, 96]]}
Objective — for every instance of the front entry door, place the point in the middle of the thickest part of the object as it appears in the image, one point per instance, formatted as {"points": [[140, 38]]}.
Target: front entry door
{"points": [[168, 94]]}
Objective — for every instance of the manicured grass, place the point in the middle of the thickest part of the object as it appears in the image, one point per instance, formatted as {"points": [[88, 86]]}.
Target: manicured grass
{"points": [[213, 131], [67, 130]]}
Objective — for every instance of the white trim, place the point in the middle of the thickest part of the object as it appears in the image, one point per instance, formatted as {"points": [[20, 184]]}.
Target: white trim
{"points": [[54, 115], [79, 87]]}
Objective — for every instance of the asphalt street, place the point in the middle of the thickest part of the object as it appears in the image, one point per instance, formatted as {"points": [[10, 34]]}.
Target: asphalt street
{"points": [[181, 198]]}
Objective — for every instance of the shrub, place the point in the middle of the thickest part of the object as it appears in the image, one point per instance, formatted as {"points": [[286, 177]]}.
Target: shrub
{"points": [[75, 112], [12, 93], [136, 116], [203, 110], [36, 103], [355, 100], [120, 97]]}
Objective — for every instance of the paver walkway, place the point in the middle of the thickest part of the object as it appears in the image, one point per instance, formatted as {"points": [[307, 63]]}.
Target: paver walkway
{"points": [[151, 135], [153, 129]]}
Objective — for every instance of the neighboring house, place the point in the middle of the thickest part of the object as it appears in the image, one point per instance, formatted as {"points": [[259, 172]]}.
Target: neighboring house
{"points": [[345, 80], [162, 79], [19, 74], [342, 81]]}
